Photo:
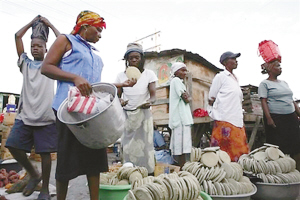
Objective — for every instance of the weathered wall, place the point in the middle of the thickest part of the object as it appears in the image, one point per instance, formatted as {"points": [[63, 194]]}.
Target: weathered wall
{"points": [[201, 78]]}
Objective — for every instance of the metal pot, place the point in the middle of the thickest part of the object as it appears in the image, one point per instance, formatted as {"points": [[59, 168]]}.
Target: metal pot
{"points": [[235, 197], [272, 191], [98, 130]]}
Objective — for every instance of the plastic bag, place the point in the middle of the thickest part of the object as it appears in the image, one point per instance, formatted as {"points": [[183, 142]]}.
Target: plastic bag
{"points": [[269, 51], [95, 103], [40, 30], [199, 112]]}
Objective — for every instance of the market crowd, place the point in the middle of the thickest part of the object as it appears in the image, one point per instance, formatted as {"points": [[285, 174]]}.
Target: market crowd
{"points": [[72, 61]]}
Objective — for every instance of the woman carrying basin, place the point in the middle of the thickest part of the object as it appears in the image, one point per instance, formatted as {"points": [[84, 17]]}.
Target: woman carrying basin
{"points": [[72, 61]]}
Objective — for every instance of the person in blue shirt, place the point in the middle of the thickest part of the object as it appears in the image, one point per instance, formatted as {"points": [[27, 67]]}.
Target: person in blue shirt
{"points": [[162, 153], [158, 140], [73, 62]]}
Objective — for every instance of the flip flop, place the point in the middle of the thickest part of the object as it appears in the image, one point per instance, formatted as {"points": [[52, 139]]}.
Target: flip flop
{"points": [[44, 196], [32, 183]]}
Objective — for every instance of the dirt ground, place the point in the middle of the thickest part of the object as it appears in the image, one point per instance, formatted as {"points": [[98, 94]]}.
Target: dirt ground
{"points": [[78, 188]]}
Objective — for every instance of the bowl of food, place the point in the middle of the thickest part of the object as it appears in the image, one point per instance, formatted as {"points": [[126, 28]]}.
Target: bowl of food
{"points": [[265, 191], [203, 195]]}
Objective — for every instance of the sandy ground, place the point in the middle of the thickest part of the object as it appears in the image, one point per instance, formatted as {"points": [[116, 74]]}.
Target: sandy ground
{"points": [[78, 188]]}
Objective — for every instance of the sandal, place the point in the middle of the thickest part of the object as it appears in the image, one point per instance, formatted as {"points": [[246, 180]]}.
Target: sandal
{"points": [[32, 183], [44, 196]]}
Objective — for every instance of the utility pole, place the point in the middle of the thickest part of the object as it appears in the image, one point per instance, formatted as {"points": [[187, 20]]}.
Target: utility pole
{"points": [[148, 44]]}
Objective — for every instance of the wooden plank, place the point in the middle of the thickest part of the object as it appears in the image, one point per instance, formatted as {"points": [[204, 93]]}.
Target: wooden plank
{"points": [[251, 117], [199, 120], [190, 87], [201, 80], [162, 93], [162, 108], [161, 101], [254, 131], [161, 122]]}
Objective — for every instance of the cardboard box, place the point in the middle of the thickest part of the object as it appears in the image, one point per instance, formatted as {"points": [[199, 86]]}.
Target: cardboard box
{"points": [[6, 154], [163, 168], [5, 131], [9, 118], [3, 142]]}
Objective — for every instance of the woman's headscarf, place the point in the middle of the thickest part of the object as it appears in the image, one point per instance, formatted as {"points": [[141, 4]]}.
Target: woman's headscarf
{"points": [[88, 18], [266, 67], [133, 47], [175, 67]]}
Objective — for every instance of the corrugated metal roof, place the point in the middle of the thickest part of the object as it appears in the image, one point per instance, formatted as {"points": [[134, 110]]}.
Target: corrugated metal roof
{"points": [[187, 55]]}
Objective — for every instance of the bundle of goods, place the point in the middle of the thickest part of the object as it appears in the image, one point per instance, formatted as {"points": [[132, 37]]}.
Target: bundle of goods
{"points": [[124, 176], [181, 185], [216, 174], [21, 183], [114, 167], [270, 164], [3, 198], [97, 102], [11, 104], [8, 122], [269, 51], [199, 112], [8, 178]]}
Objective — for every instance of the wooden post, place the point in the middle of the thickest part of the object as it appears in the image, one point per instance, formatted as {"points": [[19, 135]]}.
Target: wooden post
{"points": [[189, 87], [254, 131]]}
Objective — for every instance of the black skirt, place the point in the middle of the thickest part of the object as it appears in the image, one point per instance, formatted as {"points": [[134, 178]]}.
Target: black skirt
{"points": [[286, 135], [74, 159]]}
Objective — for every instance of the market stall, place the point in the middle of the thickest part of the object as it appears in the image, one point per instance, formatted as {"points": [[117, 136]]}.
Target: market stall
{"points": [[200, 76]]}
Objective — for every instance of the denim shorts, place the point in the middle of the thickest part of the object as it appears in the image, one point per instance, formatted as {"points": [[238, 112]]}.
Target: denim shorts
{"points": [[24, 137]]}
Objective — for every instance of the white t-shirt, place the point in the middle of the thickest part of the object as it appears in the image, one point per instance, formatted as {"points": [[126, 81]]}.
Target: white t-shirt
{"points": [[35, 104], [228, 104], [139, 93]]}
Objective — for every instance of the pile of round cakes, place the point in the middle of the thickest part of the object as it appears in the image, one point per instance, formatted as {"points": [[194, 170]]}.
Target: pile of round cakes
{"points": [[124, 176], [174, 186], [216, 174], [270, 164]]}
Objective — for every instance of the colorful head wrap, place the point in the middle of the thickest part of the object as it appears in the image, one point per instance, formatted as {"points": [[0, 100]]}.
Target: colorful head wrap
{"points": [[88, 18]]}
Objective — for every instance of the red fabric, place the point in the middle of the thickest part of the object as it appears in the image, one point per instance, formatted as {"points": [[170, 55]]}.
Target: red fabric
{"points": [[199, 112], [1, 117], [229, 138]]}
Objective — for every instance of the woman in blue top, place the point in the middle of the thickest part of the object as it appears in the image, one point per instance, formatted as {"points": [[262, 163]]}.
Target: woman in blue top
{"points": [[280, 112], [72, 61]]}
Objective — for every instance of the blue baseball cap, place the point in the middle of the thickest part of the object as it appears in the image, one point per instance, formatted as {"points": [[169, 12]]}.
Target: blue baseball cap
{"points": [[227, 55]]}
